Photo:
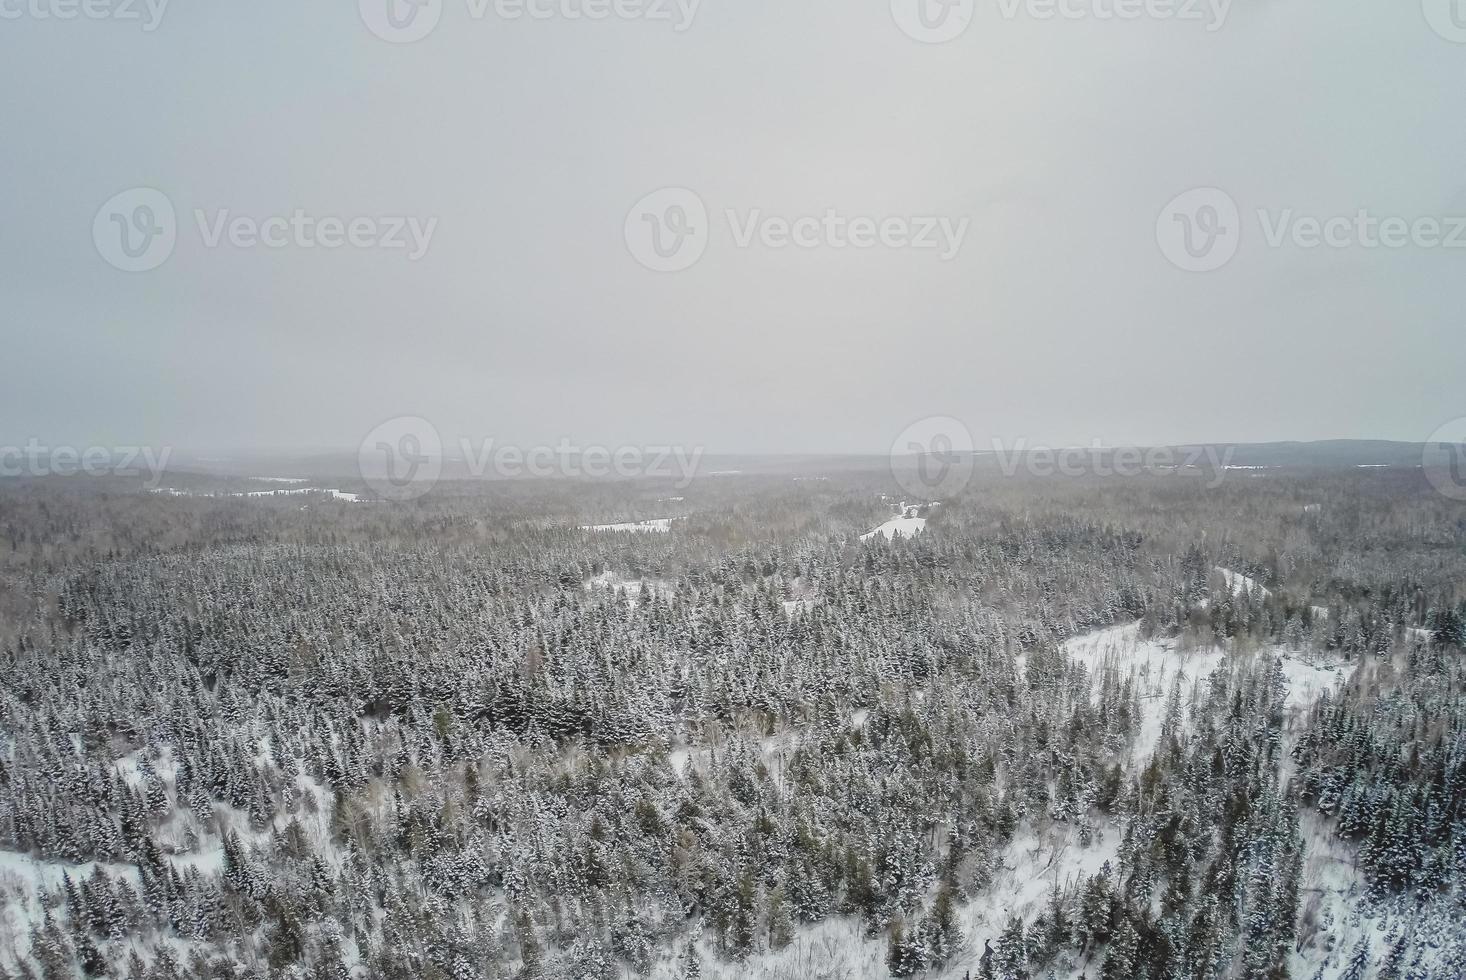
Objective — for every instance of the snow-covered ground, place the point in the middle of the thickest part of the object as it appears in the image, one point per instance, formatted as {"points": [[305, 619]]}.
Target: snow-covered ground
{"points": [[838, 949], [794, 607], [659, 524], [292, 492], [905, 523], [1157, 663], [907, 527], [631, 588], [1240, 583], [337, 494], [184, 842]]}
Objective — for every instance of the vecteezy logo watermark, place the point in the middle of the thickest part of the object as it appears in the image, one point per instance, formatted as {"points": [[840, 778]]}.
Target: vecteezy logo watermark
{"points": [[932, 458], [406, 21], [402, 458], [1212, 13], [1200, 230], [137, 230], [1447, 18], [148, 13], [668, 230], [37, 459], [932, 21], [400, 21], [1099, 460], [1444, 459]]}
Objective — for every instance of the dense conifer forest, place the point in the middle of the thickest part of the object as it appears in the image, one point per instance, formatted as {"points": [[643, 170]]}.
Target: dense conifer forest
{"points": [[1111, 728]]}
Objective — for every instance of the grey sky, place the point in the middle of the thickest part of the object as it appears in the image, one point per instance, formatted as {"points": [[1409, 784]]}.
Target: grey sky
{"points": [[528, 319]]}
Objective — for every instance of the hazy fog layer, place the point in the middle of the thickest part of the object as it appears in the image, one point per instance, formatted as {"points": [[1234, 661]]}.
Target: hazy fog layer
{"points": [[1035, 156]]}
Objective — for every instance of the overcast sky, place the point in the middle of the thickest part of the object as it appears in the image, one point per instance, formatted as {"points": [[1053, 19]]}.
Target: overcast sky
{"points": [[531, 315]]}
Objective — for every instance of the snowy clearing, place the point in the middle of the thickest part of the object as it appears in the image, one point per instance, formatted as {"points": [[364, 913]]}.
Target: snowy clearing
{"points": [[1240, 584], [291, 492], [905, 523], [1156, 664], [656, 525]]}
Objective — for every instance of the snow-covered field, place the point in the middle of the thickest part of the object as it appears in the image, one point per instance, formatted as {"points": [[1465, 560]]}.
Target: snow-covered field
{"points": [[907, 527], [656, 525], [291, 492], [1156, 664], [905, 523], [337, 494]]}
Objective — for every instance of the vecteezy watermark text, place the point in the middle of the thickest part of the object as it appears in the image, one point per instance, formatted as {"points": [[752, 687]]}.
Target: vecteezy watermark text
{"points": [[404, 458], [37, 459], [1203, 229], [147, 13], [570, 460], [939, 21], [670, 229], [303, 230], [407, 21], [1210, 13], [1099, 460], [137, 230]]}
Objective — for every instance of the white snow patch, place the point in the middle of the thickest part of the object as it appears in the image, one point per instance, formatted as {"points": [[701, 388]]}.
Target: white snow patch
{"points": [[632, 588], [292, 492], [659, 525], [905, 523], [907, 527], [1156, 664], [795, 607], [1240, 584], [337, 494]]}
